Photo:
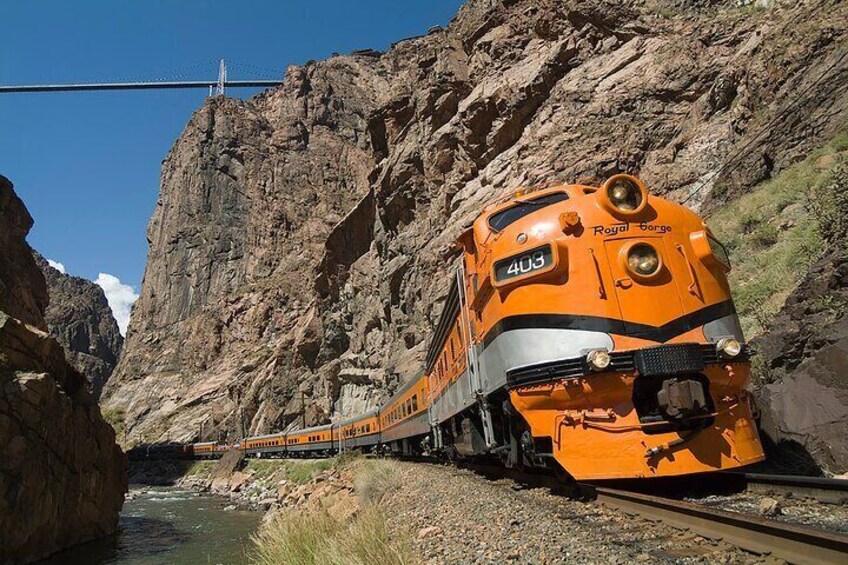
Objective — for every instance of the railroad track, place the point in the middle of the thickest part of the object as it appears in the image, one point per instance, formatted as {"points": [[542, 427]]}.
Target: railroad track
{"points": [[833, 491], [791, 542]]}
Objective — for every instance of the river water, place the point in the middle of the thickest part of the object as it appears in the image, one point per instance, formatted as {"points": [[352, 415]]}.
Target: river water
{"points": [[167, 525]]}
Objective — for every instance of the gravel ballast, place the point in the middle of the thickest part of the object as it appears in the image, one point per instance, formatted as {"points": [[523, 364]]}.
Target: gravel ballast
{"points": [[456, 516]]}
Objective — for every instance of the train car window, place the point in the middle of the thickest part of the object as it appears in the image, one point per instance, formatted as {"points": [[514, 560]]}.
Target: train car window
{"points": [[505, 217], [415, 403]]}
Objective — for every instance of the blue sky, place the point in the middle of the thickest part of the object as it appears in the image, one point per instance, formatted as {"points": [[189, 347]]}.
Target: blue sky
{"points": [[87, 164]]}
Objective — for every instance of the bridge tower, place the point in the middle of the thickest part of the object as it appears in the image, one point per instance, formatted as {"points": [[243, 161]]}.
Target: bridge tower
{"points": [[222, 79]]}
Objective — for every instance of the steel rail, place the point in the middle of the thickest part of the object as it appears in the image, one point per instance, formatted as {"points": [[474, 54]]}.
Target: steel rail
{"points": [[819, 488], [135, 85], [791, 542]]}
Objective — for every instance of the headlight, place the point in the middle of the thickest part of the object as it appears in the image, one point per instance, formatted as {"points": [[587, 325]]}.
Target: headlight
{"points": [[598, 360], [728, 347], [642, 259], [624, 195]]}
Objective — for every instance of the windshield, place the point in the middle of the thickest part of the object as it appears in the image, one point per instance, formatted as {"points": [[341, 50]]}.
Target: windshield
{"points": [[505, 217]]}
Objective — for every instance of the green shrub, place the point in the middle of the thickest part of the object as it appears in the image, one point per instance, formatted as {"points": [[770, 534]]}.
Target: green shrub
{"points": [[116, 417], [302, 472], [346, 458], [200, 469], [829, 204], [765, 235]]}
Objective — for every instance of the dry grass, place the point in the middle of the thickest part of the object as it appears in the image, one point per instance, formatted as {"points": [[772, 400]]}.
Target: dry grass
{"points": [[374, 479], [314, 537], [774, 233]]}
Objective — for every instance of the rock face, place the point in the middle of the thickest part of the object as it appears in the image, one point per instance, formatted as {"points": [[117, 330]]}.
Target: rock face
{"points": [[80, 319], [301, 245], [23, 291], [62, 477]]}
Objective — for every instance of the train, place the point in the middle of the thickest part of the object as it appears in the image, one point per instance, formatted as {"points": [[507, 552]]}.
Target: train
{"points": [[588, 329]]}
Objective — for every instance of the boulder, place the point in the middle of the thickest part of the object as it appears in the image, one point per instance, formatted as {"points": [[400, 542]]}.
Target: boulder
{"points": [[804, 400], [238, 481], [232, 461]]}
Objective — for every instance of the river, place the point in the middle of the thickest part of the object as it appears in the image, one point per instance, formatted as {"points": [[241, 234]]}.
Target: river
{"points": [[167, 525]]}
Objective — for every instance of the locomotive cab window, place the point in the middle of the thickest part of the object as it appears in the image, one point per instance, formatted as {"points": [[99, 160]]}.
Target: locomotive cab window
{"points": [[506, 217]]}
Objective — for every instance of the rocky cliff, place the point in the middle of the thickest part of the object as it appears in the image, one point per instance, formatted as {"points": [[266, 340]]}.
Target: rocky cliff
{"points": [[805, 390], [62, 477], [79, 318], [300, 246]]}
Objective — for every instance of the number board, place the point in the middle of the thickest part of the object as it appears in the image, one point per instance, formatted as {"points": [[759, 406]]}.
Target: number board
{"points": [[528, 262]]}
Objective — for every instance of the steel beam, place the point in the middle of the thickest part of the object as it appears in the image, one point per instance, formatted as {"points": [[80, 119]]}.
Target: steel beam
{"points": [[136, 86]]}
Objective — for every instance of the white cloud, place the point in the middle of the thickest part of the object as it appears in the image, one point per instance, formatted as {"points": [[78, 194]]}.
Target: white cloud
{"points": [[57, 265], [120, 296]]}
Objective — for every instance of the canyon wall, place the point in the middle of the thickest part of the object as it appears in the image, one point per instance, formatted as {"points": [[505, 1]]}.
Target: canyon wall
{"points": [[79, 318], [301, 244], [62, 476]]}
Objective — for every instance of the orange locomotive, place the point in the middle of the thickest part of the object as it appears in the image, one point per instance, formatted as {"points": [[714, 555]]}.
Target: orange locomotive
{"points": [[594, 328], [586, 329]]}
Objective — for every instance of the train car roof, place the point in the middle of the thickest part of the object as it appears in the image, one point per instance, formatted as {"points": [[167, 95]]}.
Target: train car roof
{"points": [[370, 414], [205, 443], [266, 436], [403, 388], [312, 429]]}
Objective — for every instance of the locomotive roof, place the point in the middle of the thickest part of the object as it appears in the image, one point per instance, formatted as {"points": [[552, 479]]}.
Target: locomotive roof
{"points": [[512, 198]]}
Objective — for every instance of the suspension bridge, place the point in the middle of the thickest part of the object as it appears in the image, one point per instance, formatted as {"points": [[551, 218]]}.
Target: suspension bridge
{"points": [[216, 87]]}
